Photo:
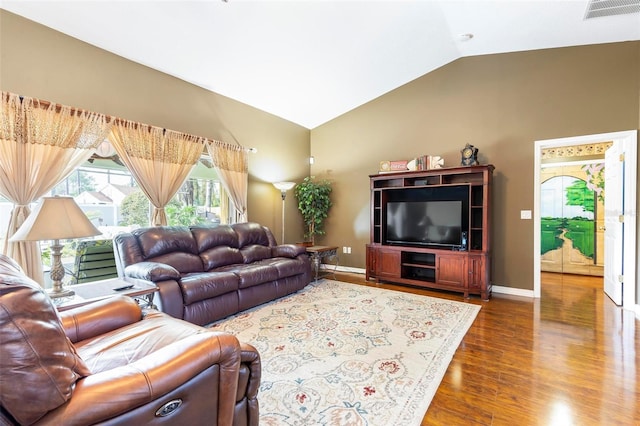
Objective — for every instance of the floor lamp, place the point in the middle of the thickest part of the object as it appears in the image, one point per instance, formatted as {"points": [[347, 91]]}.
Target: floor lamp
{"points": [[56, 218], [283, 187]]}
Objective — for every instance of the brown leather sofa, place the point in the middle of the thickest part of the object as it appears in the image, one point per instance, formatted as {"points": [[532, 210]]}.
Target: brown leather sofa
{"points": [[110, 363], [207, 273]]}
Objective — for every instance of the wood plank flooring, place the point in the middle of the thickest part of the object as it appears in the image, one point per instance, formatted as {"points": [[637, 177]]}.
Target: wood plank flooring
{"points": [[569, 358]]}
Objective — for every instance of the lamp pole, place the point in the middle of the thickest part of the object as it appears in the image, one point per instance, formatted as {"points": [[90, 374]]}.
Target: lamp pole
{"points": [[283, 187]]}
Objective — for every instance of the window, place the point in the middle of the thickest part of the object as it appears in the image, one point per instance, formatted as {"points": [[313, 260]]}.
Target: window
{"points": [[108, 194]]}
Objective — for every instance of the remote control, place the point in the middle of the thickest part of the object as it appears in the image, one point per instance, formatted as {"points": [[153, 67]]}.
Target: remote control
{"points": [[124, 287]]}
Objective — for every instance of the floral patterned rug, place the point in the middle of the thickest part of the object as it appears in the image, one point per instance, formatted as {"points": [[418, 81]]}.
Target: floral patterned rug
{"points": [[344, 354]]}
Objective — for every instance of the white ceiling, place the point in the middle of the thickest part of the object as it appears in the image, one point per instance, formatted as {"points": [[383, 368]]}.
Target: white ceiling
{"points": [[311, 61]]}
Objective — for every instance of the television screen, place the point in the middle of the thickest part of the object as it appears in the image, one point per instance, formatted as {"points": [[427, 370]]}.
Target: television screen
{"points": [[429, 223]]}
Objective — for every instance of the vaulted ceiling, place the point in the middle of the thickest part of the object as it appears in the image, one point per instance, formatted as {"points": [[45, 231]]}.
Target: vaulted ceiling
{"points": [[309, 61]]}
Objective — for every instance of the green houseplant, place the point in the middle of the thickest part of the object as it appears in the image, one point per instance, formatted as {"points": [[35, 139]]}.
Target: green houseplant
{"points": [[314, 203]]}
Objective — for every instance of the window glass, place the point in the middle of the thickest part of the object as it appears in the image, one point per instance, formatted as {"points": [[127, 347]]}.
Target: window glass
{"points": [[107, 193]]}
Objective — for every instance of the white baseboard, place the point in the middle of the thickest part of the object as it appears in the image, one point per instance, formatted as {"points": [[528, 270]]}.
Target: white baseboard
{"points": [[329, 267], [512, 291], [636, 309]]}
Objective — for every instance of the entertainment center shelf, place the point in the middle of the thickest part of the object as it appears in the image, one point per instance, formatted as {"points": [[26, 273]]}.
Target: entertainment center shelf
{"points": [[432, 229]]}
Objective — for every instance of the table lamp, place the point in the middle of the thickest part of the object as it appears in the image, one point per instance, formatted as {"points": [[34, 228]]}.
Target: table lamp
{"points": [[283, 187], [56, 218]]}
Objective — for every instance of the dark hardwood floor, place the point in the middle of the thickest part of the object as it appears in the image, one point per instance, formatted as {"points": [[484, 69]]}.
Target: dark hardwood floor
{"points": [[568, 358]]}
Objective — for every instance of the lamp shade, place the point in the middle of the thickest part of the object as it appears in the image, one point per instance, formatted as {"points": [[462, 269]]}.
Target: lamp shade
{"points": [[55, 218], [284, 186]]}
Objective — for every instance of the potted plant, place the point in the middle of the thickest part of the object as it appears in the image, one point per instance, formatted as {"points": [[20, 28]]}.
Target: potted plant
{"points": [[314, 204]]}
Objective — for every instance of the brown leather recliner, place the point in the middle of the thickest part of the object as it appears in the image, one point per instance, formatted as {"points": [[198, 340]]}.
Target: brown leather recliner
{"points": [[110, 363]]}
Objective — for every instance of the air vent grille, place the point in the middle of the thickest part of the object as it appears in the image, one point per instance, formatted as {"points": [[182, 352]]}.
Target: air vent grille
{"points": [[600, 8]]}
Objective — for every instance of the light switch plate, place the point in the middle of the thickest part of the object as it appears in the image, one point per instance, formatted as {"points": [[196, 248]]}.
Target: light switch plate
{"points": [[525, 214]]}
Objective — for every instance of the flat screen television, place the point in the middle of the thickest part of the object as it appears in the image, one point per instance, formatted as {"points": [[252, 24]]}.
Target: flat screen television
{"points": [[425, 223]]}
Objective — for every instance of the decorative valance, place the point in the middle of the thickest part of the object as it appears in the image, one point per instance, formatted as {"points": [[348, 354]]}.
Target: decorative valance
{"points": [[155, 143], [29, 120]]}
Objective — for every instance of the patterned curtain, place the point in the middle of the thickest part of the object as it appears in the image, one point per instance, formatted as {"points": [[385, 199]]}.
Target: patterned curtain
{"points": [[160, 160], [40, 145], [231, 164]]}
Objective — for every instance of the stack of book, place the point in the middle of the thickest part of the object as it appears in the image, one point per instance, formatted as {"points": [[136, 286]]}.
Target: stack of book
{"points": [[424, 162]]}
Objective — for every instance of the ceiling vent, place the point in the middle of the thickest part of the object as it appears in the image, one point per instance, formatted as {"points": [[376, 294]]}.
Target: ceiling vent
{"points": [[599, 8]]}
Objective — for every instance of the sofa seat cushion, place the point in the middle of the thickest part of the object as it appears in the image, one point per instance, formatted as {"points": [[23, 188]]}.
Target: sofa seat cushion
{"points": [[128, 344], [287, 267], [205, 285], [252, 274]]}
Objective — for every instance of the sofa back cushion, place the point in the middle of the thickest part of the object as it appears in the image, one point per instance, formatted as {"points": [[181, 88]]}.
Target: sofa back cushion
{"points": [[255, 252], [38, 364], [250, 233], [172, 245], [207, 237], [220, 256], [254, 241], [218, 245]]}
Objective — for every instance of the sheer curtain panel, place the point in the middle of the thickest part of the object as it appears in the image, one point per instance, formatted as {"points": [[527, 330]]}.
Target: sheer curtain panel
{"points": [[160, 160], [231, 164], [40, 144]]}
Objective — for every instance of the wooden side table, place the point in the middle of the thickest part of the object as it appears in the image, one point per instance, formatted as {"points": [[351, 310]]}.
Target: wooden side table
{"points": [[142, 291], [318, 253]]}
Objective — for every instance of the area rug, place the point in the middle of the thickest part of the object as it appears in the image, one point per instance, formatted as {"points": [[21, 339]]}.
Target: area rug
{"points": [[344, 354]]}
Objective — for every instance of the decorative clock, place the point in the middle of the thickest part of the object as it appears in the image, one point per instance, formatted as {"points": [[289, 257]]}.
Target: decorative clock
{"points": [[469, 155]]}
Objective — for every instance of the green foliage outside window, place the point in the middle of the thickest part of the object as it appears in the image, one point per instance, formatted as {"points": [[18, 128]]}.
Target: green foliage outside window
{"points": [[135, 209], [178, 214]]}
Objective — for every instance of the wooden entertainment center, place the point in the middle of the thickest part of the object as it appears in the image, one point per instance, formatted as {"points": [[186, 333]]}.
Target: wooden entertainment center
{"points": [[463, 267]]}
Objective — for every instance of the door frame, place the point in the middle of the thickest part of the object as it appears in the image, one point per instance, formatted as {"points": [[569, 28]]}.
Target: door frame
{"points": [[629, 138]]}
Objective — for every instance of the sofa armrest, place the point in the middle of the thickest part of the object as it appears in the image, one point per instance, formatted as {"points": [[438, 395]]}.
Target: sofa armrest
{"points": [[99, 317], [152, 271], [288, 250], [247, 408], [170, 299], [136, 391]]}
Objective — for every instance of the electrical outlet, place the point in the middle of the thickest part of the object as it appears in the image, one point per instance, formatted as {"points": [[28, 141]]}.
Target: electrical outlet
{"points": [[348, 250], [344, 249]]}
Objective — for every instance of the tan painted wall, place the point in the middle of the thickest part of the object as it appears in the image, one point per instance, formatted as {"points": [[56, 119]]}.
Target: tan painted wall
{"points": [[499, 103], [38, 62]]}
